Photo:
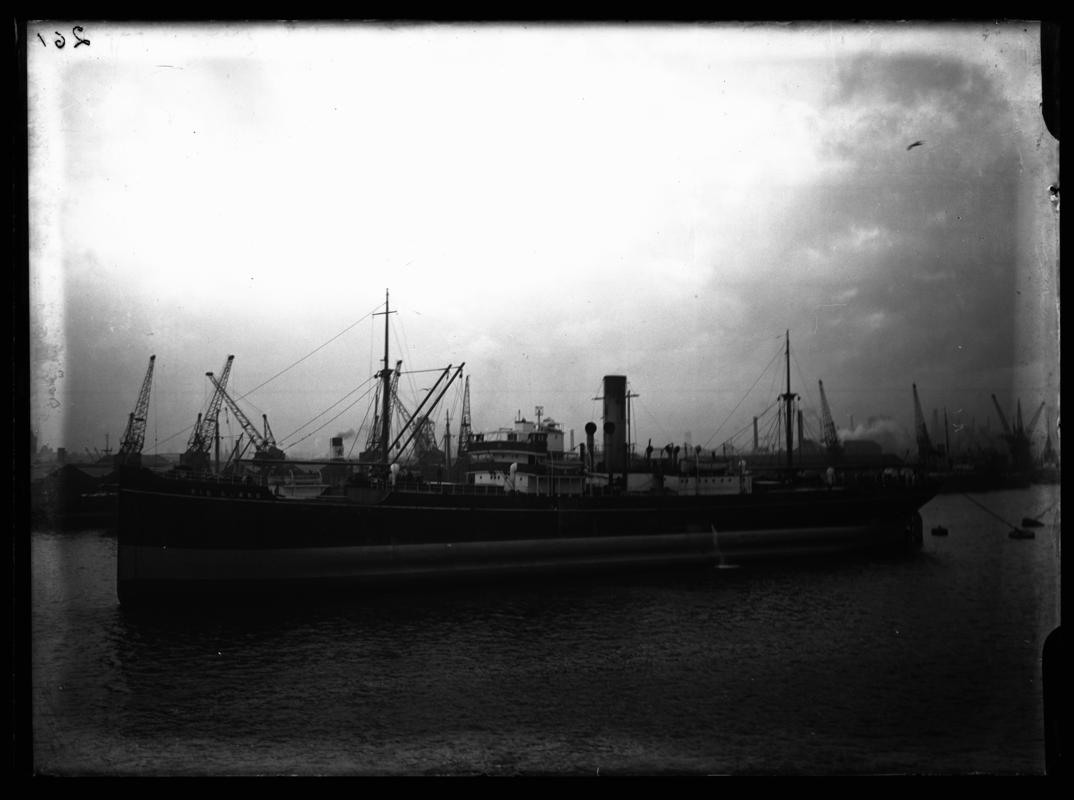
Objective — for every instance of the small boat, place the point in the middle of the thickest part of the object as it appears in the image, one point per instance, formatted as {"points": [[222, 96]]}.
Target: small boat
{"points": [[1021, 533], [939, 530], [1034, 521]]}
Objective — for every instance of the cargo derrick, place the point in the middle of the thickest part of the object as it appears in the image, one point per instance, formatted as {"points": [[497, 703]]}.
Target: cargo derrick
{"points": [[415, 428], [422, 431], [380, 446], [130, 448], [206, 432]]}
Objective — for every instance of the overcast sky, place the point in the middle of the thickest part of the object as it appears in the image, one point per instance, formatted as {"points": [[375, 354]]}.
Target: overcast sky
{"points": [[548, 204]]}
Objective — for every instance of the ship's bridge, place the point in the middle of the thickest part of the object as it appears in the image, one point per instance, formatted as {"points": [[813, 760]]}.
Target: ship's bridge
{"points": [[526, 437], [508, 439]]}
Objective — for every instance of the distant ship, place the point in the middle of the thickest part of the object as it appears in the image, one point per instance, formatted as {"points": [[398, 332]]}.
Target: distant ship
{"points": [[985, 474], [522, 504], [1047, 471]]}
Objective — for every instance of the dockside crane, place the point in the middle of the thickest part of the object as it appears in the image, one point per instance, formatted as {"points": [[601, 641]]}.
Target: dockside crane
{"points": [[265, 448], [1017, 438], [130, 448], [207, 430], [1033, 422], [464, 422], [424, 439], [1049, 456], [827, 425], [1002, 418], [270, 440], [421, 427], [927, 453], [1018, 429]]}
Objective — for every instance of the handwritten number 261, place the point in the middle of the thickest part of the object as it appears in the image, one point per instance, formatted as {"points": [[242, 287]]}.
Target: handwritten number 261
{"points": [[61, 41]]}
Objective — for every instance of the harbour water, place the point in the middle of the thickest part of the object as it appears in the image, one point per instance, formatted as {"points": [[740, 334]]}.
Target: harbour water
{"points": [[928, 664]]}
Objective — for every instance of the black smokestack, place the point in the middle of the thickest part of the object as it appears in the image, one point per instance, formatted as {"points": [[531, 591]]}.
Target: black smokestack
{"points": [[615, 448]]}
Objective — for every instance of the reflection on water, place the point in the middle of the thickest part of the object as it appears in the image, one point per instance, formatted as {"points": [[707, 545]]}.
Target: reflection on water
{"points": [[927, 664]]}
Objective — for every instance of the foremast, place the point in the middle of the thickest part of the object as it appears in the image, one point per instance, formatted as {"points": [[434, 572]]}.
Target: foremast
{"points": [[788, 402], [416, 427], [386, 393]]}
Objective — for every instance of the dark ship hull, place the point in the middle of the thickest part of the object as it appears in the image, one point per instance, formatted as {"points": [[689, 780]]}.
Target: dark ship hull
{"points": [[190, 538], [537, 512]]}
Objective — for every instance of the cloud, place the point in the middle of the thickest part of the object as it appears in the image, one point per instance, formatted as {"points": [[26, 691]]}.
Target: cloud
{"points": [[557, 205]]}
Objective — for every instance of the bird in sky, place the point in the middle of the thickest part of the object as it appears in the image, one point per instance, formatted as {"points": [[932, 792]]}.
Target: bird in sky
{"points": [[915, 144]]}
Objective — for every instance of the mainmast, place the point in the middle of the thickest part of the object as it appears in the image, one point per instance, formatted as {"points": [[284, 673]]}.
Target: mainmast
{"points": [[788, 399], [385, 376]]}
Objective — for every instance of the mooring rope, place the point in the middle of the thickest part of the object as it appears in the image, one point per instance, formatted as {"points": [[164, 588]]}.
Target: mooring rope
{"points": [[1045, 511], [990, 511]]}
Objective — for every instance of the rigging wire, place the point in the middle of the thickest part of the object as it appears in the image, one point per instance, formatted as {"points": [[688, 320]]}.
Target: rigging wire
{"points": [[990, 511], [182, 432], [312, 352], [321, 414], [1046, 510], [363, 434], [644, 407], [742, 400], [333, 419], [814, 416], [744, 429], [188, 428], [770, 433], [372, 338], [400, 340], [801, 377], [774, 434]]}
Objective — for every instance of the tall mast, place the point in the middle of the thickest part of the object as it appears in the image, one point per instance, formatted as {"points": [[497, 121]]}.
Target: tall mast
{"points": [[447, 439], [788, 399], [385, 375]]}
